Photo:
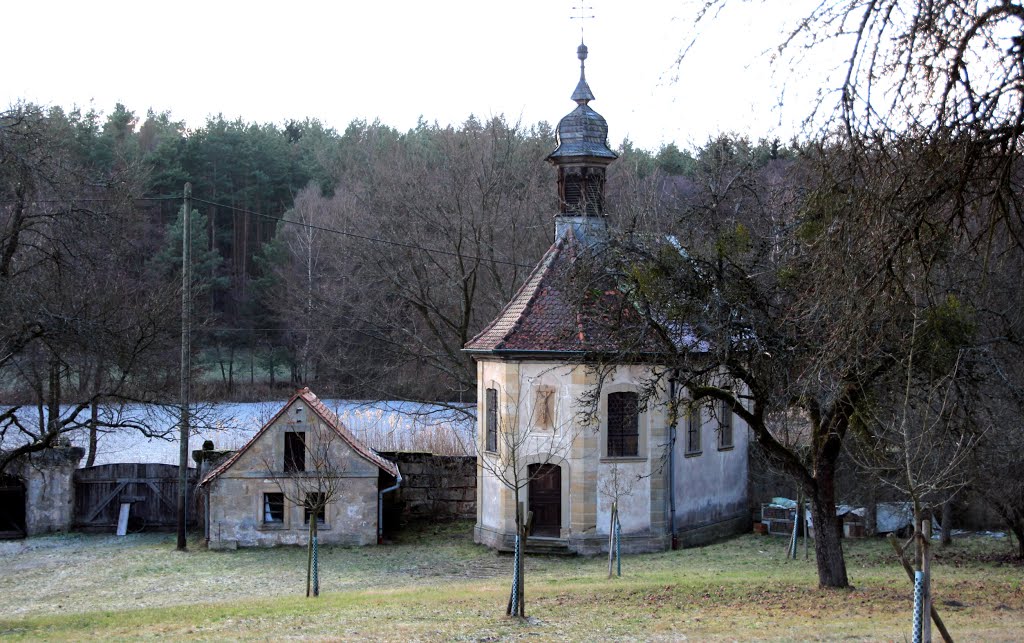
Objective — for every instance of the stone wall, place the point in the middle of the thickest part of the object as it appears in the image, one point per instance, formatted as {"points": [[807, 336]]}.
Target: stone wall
{"points": [[48, 477], [434, 486]]}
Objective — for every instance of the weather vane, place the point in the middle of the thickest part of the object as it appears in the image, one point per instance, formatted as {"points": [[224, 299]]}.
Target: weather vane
{"points": [[583, 17]]}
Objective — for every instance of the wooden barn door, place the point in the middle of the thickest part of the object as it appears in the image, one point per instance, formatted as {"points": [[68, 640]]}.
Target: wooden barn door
{"points": [[545, 495], [150, 488], [12, 507]]}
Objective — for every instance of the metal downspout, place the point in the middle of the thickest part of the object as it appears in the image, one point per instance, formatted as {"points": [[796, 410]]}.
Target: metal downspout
{"points": [[672, 462], [206, 521], [380, 505]]}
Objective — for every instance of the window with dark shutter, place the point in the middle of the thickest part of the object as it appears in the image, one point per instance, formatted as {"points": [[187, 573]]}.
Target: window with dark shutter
{"points": [[593, 204], [492, 419], [725, 427], [693, 423], [623, 425], [573, 195], [294, 452]]}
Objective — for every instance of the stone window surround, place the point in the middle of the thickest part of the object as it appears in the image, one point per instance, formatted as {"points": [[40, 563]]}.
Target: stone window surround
{"points": [[491, 428], [273, 524], [524, 496], [284, 448], [289, 508], [642, 424]]}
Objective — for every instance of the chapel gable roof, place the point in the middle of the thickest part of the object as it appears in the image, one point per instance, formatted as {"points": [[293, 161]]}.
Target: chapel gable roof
{"points": [[547, 315], [329, 418]]}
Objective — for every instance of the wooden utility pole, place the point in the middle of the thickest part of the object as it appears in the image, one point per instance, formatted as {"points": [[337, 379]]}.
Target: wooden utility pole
{"points": [[186, 305]]}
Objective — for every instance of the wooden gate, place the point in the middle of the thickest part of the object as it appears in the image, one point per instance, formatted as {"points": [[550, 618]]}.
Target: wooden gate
{"points": [[152, 490]]}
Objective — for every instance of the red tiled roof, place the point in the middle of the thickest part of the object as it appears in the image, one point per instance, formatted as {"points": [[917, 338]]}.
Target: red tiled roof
{"points": [[546, 316], [329, 418]]}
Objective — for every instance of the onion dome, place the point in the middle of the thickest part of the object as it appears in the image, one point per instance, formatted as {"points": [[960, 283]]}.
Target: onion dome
{"points": [[583, 132]]}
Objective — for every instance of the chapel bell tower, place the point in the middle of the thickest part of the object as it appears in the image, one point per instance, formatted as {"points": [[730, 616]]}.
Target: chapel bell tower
{"points": [[581, 154]]}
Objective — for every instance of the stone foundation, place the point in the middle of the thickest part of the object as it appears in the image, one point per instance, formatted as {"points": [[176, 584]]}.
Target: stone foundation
{"points": [[641, 543], [584, 545], [697, 535]]}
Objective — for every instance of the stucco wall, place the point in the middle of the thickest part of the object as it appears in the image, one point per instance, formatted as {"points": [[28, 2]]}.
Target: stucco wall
{"points": [[710, 489], [578, 448], [236, 495], [634, 496], [236, 515]]}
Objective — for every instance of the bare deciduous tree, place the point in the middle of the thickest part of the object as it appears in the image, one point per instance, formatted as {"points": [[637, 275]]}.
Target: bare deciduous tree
{"points": [[313, 486], [80, 323]]}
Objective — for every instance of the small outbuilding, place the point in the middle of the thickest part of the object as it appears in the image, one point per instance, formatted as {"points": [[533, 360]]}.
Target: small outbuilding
{"points": [[266, 493]]}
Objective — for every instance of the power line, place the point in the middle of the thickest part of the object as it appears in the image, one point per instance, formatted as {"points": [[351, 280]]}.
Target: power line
{"points": [[73, 201], [410, 246]]}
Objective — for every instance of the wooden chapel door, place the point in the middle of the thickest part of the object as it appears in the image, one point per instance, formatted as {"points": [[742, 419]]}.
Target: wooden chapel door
{"points": [[545, 494]]}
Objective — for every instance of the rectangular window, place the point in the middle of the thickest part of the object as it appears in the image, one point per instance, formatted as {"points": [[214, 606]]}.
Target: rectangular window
{"points": [[623, 425], [273, 508], [294, 452], [725, 427], [492, 419], [315, 502], [693, 431], [545, 413]]}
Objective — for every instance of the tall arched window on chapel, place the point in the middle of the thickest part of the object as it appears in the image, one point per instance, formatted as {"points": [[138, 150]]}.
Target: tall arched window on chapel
{"points": [[623, 425]]}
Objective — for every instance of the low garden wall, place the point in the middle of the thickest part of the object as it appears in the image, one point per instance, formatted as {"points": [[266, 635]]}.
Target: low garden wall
{"points": [[435, 486]]}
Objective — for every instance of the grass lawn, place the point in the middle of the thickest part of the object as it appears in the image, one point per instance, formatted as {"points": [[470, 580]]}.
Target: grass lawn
{"points": [[434, 583]]}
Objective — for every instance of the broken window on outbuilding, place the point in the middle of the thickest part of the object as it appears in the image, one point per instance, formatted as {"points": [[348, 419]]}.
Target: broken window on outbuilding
{"points": [[273, 508]]}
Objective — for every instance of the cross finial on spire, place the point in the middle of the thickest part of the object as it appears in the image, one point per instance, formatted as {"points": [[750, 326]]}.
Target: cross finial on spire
{"points": [[583, 17]]}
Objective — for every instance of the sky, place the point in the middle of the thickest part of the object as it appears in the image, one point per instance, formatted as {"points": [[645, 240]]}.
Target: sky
{"points": [[401, 60]]}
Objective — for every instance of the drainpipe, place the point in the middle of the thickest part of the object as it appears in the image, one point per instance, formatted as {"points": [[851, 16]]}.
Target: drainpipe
{"points": [[672, 461], [380, 505], [206, 518]]}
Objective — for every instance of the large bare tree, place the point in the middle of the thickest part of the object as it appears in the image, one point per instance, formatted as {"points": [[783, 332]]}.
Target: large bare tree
{"points": [[80, 323], [430, 233]]}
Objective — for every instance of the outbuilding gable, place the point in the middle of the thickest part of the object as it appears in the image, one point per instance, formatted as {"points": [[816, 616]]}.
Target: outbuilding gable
{"points": [[304, 412]]}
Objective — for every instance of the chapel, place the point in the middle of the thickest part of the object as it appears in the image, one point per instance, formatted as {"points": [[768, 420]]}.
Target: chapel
{"points": [[564, 439]]}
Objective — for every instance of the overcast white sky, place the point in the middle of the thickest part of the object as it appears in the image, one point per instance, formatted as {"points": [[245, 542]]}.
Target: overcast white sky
{"points": [[399, 60]]}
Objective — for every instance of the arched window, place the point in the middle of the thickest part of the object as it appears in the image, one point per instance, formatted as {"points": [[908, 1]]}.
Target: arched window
{"points": [[623, 425]]}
